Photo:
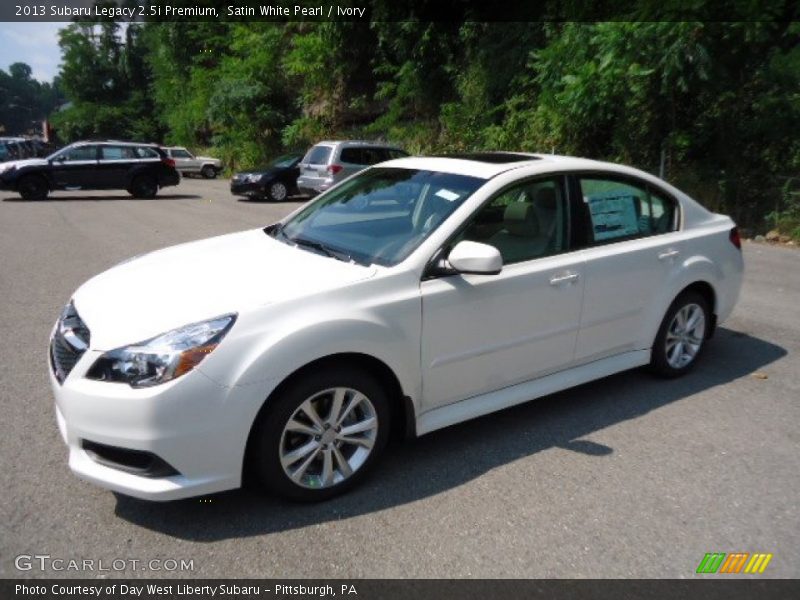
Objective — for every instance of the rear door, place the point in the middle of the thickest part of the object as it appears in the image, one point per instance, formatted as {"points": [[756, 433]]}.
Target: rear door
{"points": [[352, 160], [114, 164], [632, 249]]}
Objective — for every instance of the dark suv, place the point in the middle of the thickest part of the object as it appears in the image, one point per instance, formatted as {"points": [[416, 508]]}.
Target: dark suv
{"points": [[141, 169]]}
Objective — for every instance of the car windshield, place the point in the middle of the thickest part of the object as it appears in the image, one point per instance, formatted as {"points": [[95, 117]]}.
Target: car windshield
{"points": [[380, 216], [287, 160]]}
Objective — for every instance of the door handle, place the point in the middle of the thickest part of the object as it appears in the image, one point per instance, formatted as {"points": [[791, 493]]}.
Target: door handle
{"points": [[668, 254], [566, 278]]}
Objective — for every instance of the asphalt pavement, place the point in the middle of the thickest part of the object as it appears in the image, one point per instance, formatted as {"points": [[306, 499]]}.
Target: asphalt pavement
{"points": [[630, 476]]}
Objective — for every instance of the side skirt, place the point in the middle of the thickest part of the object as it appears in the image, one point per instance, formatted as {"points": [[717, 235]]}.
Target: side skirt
{"points": [[478, 406]]}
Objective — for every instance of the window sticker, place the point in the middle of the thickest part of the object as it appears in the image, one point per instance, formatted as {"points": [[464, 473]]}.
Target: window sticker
{"points": [[613, 215], [447, 195]]}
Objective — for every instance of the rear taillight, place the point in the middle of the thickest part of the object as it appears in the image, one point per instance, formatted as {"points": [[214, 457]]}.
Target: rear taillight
{"points": [[735, 239], [334, 169], [169, 162]]}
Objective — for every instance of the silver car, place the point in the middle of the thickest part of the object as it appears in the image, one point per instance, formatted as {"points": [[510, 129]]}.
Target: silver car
{"points": [[328, 162]]}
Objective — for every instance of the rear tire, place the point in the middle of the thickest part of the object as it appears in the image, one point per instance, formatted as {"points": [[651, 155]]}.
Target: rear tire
{"points": [[208, 172], [681, 338], [33, 187], [321, 435], [144, 186]]}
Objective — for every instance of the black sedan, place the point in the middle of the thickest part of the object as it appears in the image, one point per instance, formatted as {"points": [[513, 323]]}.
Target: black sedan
{"points": [[277, 181]]}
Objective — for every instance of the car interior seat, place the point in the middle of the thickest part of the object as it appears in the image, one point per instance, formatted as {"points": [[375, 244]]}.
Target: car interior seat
{"points": [[521, 237]]}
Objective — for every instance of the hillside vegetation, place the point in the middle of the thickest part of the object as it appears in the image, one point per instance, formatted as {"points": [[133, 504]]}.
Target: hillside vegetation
{"points": [[715, 105]]}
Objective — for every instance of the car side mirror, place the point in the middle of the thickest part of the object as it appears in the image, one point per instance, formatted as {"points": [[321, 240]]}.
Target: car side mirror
{"points": [[476, 258]]}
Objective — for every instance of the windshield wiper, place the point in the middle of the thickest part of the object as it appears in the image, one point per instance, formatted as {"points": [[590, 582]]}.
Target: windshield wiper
{"points": [[326, 250]]}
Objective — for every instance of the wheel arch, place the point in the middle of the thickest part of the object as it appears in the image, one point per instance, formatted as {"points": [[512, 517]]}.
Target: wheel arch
{"points": [[709, 294], [403, 414]]}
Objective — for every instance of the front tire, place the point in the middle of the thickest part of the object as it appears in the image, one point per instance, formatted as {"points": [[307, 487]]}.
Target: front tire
{"points": [[682, 335], [33, 187], [208, 172], [321, 435], [277, 192]]}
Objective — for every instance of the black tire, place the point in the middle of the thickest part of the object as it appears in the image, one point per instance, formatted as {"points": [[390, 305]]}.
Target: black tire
{"points": [[208, 172], [144, 186], [670, 363], [270, 439], [33, 187], [277, 191]]}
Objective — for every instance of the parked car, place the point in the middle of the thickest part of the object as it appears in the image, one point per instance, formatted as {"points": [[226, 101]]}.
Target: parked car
{"points": [[189, 164], [16, 148], [276, 181], [418, 294], [329, 162], [141, 169]]}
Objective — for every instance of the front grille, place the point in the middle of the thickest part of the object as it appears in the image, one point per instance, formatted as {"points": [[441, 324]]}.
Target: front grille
{"points": [[70, 341]]}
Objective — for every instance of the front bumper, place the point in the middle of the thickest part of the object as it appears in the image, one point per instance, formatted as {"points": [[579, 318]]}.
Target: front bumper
{"points": [[251, 190], [194, 425]]}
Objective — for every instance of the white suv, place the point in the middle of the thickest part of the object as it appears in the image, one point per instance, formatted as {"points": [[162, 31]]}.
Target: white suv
{"points": [[414, 295]]}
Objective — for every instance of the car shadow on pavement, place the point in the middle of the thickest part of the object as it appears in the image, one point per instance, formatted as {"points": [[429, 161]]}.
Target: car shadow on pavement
{"points": [[104, 198], [449, 458]]}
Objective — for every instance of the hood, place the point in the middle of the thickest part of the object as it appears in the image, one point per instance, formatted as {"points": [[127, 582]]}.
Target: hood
{"points": [[268, 171], [209, 159], [163, 290], [19, 164]]}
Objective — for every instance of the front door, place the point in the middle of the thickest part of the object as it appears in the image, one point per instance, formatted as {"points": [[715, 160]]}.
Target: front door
{"points": [[75, 168], [481, 333]]}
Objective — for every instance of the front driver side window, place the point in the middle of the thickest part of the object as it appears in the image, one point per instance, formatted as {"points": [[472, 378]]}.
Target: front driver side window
{"points": [[524, 222], [80, 153]]}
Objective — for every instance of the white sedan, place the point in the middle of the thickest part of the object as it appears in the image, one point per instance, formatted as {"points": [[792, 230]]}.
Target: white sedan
{"points": [[414, 295]]}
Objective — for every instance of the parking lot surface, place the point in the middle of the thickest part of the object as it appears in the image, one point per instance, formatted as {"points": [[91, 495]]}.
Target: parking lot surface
{"points": [[630, 476]]}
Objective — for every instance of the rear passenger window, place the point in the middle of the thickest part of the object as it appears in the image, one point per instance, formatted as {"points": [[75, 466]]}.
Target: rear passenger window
{"points": [[116, 153], [354, 156], [620, 210]]}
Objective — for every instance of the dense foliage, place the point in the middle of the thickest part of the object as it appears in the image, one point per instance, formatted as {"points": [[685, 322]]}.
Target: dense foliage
{"points": [[24, 101], [713, 105]]}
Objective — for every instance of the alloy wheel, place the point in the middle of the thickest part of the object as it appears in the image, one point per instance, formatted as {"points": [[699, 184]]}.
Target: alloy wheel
{"points": [[685, 335], [328, 438]]}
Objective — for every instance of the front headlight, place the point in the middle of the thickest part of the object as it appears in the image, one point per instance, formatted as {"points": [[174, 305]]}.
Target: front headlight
{"points": [[6, 167], [253, 177], [164, 357]]}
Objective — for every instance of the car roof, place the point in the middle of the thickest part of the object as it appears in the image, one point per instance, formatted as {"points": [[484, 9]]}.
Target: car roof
{"points": [[115, 142], [357, 143], [486, 165]]}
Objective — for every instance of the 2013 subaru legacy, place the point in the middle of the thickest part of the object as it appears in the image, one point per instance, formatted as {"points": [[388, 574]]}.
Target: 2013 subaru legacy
{"points": [[414, 295]]}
